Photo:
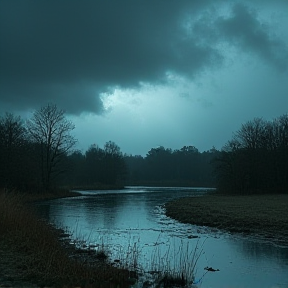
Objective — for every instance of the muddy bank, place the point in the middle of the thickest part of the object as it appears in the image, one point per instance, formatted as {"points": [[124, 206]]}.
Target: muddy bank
{"points": [[35, 254], [19, 267], [263, 216]]}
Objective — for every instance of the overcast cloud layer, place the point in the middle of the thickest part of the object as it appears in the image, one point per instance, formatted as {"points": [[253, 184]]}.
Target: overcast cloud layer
{"points": [[78, 53]]}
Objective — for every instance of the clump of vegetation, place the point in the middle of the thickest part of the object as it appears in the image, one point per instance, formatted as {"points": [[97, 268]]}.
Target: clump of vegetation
{"points": [[36, 255], [169, 280], [177, 266]]}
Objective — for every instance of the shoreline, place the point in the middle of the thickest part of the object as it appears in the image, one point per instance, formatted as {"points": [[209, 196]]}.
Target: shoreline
{"points": [[263, 216], [34, 253]]}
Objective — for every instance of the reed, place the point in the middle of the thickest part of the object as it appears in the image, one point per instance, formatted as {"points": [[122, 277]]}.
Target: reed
{"points": [[160, 264], [178, 265]]}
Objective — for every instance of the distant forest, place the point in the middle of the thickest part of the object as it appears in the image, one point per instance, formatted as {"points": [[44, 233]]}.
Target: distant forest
{"points": [[160, 167], [38, 155], [255, 160], [166, 167]]}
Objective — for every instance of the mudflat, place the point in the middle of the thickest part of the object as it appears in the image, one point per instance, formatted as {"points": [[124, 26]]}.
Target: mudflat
{"points": [[264, 216]]}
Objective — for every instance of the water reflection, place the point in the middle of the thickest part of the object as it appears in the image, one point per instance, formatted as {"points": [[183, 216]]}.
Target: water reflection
{"points": [[132, 223], [261, 250]]}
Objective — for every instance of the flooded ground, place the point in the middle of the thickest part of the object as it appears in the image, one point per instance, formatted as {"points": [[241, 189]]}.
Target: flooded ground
{"points": [[132, 226]]}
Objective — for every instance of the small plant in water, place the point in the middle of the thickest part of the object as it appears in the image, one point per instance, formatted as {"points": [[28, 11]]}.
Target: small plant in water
{"points": [[169, 280], [101, 255], [176, 265]]}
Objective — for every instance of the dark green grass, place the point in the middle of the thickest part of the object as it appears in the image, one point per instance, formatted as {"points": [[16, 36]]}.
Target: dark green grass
{"points": [[262, 215]]}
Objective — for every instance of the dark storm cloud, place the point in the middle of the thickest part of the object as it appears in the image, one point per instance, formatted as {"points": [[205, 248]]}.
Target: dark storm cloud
{"points": [[243, 29], [73, 98], [50, 49], [70, 51]]}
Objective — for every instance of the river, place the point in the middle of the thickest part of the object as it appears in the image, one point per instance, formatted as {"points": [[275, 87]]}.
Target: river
{"points": [[131, 225]]}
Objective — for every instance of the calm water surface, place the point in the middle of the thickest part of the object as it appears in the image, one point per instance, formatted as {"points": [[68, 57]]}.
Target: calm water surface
{"points": [[131, 223]]}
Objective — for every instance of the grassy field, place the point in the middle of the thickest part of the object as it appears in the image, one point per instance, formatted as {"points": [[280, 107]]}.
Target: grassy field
{"points": [[260, 215], [33, 254]]}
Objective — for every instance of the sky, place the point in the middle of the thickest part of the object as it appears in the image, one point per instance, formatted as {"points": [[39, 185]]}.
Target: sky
{"points": [[146, 73]]}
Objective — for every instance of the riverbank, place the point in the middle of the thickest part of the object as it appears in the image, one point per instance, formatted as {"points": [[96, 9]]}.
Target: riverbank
{"points": [[33, 197], [35, 254], [263, 216], [97, 186]]}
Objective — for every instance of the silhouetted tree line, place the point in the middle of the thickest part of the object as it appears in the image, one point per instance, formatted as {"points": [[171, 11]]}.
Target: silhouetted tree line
{"points": [[97, 166], [256, 159], [163, 166], [159, 167], [32, 153], [17, 162], [37, 155]]}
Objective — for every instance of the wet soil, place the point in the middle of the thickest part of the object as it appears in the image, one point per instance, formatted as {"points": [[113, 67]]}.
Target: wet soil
{"points": [[14, 271]]}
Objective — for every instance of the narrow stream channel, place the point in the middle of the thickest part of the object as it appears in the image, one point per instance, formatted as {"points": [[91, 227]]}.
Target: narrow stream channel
{"points": [[131, 224]]}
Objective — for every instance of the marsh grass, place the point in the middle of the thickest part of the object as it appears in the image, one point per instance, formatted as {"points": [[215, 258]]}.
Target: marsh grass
{"points": [[264, 216], [178, 265], [160, 264], [37, 255]]}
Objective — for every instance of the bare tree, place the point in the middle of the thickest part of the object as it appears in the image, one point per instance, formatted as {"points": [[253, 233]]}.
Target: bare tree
{"points": [[250, 135], [50, 130]]}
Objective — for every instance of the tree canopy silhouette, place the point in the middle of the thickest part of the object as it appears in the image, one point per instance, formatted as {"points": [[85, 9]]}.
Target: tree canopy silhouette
{"points": [[50, 130], [256, 159]]}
